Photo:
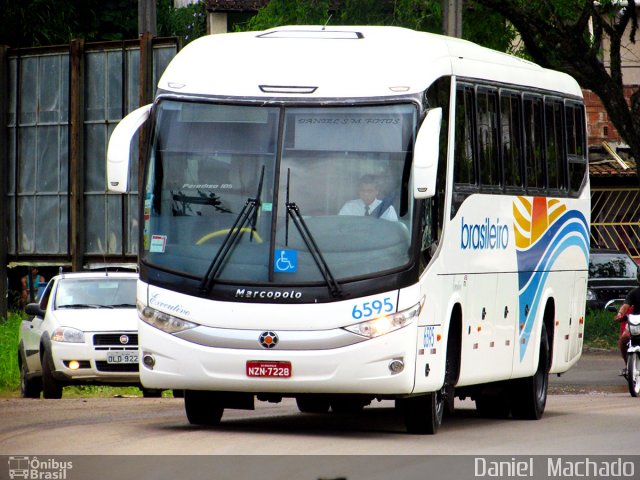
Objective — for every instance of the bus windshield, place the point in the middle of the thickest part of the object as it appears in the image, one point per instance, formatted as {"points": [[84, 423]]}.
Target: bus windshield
{"points": [[223, 180]]}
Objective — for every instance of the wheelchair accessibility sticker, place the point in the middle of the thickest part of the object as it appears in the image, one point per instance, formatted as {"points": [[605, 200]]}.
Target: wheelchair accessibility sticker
{"points": [[286, 261]]}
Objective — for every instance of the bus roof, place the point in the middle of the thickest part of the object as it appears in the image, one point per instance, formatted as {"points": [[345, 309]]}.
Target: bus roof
{"points": [[342, 62]]}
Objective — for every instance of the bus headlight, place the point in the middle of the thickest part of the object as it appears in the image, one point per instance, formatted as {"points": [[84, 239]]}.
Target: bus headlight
{"points": [[163, 321], [385, 324]]}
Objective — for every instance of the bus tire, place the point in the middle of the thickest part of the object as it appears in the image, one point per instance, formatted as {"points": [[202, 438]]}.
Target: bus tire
{"points": [[313, 403], [529, 395], [202, 408], [423, 414]]}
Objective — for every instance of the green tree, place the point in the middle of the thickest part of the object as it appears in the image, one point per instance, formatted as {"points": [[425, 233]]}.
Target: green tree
{"points": [[29, 23], [188, 22], [568, 35]]}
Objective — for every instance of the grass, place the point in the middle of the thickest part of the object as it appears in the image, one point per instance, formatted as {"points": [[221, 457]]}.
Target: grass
{"points": [[9, 372], [600, 332]]}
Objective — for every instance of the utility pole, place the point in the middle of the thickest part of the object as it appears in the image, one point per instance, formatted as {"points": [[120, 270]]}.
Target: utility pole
{"points": [[452, 18], [147, 17]]}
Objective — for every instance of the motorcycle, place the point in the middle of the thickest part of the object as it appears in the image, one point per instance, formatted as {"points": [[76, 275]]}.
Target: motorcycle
{"points": [[632, 372], [633, 355]]}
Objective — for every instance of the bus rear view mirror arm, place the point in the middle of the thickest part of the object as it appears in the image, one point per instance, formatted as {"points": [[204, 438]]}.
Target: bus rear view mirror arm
{"points": [[425, 155], [119, 149]]}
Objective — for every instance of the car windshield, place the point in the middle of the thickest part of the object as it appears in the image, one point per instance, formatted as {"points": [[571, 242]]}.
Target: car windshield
{"points": [[612, 266], [223, 182], [105, 292]]}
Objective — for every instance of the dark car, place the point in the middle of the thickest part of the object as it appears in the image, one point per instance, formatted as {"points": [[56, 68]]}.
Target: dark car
{"points": [[611, 275]]}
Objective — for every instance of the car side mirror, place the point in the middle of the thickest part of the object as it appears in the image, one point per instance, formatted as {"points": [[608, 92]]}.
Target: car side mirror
{"points": [[34, 310]]}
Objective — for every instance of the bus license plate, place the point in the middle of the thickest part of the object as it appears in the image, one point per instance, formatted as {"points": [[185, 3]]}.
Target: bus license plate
{"points": [[122, 357], [257, 368]]}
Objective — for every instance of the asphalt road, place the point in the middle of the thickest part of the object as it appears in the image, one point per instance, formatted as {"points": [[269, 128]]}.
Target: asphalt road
{"points": [[596, 371], [589, 411]]}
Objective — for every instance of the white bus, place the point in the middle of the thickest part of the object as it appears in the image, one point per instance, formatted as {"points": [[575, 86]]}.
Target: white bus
{"points": [[262, 276]]}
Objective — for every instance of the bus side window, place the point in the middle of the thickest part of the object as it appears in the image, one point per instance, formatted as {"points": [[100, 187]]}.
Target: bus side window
{"points": [[464, 169], [511, 137], [488, 153], [554, 146], [575, 147], [534, 159]]}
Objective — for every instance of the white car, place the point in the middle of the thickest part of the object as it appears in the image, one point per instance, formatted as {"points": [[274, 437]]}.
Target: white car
{"points": [[83, 331]]}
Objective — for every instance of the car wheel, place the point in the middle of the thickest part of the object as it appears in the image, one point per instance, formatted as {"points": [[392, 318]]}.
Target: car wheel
{"points": [[29, 387], [51, 388]]}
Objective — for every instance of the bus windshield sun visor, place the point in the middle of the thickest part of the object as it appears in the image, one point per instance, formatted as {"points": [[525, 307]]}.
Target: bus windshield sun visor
{"points": [[248, 214]]}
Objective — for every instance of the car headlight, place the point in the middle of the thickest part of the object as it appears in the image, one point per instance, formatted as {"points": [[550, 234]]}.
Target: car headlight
{"points": [[385, 324], [591, 295], [67, 334], [163, 321]]}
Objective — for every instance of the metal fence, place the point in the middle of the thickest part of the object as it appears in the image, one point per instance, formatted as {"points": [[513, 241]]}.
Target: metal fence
{"points": [[58, 108], [615, 219], [63, 104]]}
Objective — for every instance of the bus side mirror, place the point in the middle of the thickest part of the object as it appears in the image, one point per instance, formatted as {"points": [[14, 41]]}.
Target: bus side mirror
{"points": [[119, 149], [425, 155]]}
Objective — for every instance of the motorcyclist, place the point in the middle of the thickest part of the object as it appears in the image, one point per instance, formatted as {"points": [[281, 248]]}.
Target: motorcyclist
{"points": [[631, 304]]}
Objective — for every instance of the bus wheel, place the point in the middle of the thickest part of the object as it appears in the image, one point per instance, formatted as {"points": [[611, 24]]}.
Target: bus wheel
{"points": [[202, 408], [313, 403], [423, 414], [530, 394]]}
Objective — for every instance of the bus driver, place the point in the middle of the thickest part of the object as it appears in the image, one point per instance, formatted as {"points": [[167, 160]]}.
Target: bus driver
{"points": [[368, 204]]}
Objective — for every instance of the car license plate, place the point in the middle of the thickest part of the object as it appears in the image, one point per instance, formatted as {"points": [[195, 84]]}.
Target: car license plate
{"points": [[257, 368], [122, 357]]}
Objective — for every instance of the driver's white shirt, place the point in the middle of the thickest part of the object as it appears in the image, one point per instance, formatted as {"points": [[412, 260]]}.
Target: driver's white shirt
{"points": [[356, 208]]}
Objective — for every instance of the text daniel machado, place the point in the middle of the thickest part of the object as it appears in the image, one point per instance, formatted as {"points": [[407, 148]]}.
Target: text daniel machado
{"points": [[563, 467]]}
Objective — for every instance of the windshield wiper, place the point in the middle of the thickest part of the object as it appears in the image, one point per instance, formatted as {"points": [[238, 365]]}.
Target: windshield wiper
{"points": [[81, 305], [122, 305], [250, 207], [293, 212]]}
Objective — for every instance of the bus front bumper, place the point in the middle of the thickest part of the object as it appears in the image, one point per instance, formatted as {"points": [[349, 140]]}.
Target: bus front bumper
{"points": [[380, 366]]}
